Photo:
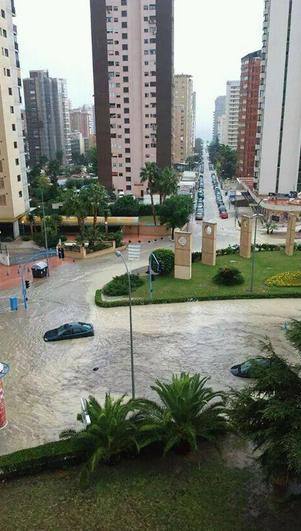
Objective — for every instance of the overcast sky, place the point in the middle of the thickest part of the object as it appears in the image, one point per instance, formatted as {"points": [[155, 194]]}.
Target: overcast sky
{"points": [[211, 36]]}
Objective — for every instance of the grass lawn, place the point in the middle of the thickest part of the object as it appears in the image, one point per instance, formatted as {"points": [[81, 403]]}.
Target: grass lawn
{"points": [[201, 284], [197, 492]]}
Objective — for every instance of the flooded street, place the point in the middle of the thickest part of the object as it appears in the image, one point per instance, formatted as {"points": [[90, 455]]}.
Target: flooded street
{"points": [[46, 380]]}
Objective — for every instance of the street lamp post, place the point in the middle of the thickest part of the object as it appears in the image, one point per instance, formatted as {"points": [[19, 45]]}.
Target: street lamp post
{"points": [[119, 255], [256, 216]]}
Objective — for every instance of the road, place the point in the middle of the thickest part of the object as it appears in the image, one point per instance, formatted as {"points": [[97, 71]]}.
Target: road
{"points": [[46, 381]]}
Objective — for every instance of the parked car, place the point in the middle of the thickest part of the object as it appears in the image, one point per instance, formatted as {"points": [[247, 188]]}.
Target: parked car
{"points": [[248, 368], [69, 331]]}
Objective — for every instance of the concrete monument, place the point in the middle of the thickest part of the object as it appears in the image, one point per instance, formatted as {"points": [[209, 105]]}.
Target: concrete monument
{"points": [[209, 243], [183, 250]]}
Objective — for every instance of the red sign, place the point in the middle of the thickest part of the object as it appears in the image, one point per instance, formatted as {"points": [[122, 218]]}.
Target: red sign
{"points": [[2, 407]]}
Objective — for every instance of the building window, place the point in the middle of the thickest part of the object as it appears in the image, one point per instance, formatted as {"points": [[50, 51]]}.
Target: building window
{"points": [[12, 110], [124, 13], [15, 145], [124, 36], [1, 183], [124, 46], [20, 194], [2, 13], [128, 179], [19, 178], [126, 120], [126, 89], [126, 111], [128, 187], [125, 58], [124, 25], [17, 162], [127, 150], [10, 91], [127, 131], [125, 68], [124, 2], [13, 126], [127, 141], [126, 100]]}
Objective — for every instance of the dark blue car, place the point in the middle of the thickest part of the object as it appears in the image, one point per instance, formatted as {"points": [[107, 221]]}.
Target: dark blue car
{"points": [[69, 331]]}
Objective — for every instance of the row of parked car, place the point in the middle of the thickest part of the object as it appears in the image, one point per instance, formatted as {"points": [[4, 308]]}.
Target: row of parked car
{"points": [[199, 211], [219, 197]]}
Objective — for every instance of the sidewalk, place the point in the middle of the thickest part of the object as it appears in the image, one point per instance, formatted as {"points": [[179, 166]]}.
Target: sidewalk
{"points": [[10, 276]]}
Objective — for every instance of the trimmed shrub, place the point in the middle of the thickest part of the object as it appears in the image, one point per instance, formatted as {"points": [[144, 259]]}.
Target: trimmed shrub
{"points": [[115, 236], [60, 454], [125, 206], [26, 238], [285, 280], [228, 276], [119, 286], [166, 258], [196, 257]]}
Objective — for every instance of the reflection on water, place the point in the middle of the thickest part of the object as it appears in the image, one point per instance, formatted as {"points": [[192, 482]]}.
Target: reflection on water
{"points": [[46, 381]]}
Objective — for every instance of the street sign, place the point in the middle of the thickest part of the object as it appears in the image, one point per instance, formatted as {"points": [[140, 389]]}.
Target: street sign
{"points": [[134, 251]]}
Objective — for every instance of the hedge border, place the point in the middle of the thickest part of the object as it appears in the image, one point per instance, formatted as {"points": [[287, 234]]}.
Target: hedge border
{"points": [[49, 456], [144, 302]]}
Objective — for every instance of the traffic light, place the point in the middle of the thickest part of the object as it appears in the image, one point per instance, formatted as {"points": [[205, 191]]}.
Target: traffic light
{"points": [[27, 284]]}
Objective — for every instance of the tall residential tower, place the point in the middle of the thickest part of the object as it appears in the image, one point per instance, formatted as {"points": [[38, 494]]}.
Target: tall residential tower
{"points": [[277, 162], [232, 113], [47, 117], [133, 76], [248, 111], [219, 112], [183, 118], [14, 200]]}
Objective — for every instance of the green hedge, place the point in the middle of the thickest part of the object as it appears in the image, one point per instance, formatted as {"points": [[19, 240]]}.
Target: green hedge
{"points": [[59, 454], [144, 302], [119, 285]]}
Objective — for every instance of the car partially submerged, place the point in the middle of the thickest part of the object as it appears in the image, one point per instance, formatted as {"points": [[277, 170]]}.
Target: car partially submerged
{"points": [[69, 331], [250, 368]]}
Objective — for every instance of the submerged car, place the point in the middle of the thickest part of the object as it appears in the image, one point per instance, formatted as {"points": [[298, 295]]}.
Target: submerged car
{"points": [[69, 331], [248, 368]]}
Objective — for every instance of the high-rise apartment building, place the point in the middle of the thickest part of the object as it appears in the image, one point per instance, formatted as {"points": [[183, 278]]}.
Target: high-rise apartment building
{"points": [[183, 118], [14, 200], [80, 121], [248, 111], [219, 111], [277, 163], [193, 128], [47, 117], [232, 113], [133, 76]]}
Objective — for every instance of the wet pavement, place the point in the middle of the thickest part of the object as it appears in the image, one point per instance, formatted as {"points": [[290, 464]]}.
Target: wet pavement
{"points": [[46, 381]]}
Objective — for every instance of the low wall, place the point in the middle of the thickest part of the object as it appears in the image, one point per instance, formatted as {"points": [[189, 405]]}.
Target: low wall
{"points": [[146, 230], [82, 254], [4, 259]]}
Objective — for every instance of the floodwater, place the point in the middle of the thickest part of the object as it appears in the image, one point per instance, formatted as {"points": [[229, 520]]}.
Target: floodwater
{"points": [[47, 380]]}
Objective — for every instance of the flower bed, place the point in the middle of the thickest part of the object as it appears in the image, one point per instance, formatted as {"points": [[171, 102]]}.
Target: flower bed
{"points": [[285, 280]]}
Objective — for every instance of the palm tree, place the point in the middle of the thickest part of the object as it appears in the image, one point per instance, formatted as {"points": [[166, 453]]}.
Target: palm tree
{"points": [[112, 431], [151, 174], [75, 204], [189, 411], [97, 200], [167, 183]]}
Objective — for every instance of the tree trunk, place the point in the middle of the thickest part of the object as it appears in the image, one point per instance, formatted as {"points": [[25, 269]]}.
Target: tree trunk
{"points": [[153, 209]]}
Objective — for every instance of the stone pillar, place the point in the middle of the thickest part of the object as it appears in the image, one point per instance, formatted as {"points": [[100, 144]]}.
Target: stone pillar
{"points": [[183, 259], [246, 237], [209, 243], [290, 236]]}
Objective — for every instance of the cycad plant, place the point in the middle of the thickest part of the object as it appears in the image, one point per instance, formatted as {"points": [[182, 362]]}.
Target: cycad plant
{"points": [[293, 333], [189, 411], [112, 431], [269, 414]]}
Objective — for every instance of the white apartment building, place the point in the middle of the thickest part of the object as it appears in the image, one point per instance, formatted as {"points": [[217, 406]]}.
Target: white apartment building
{"points": [[277, 160], [183, 118], [14, 200], [133, 74], [232, 113]]}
